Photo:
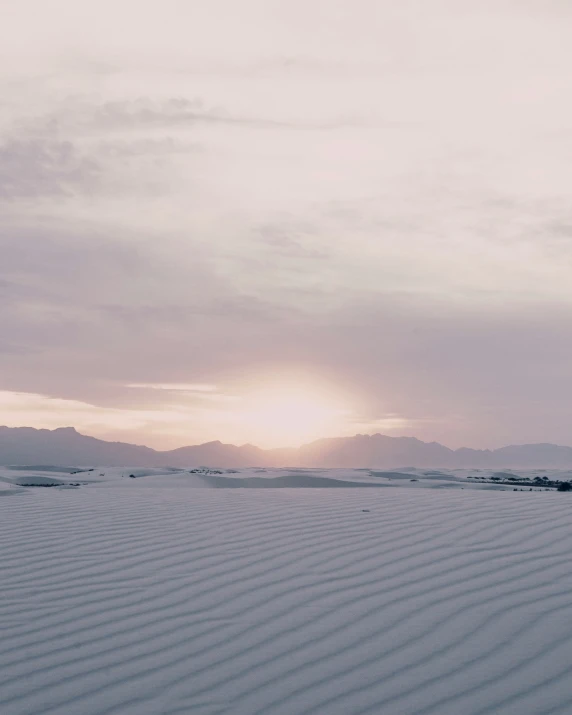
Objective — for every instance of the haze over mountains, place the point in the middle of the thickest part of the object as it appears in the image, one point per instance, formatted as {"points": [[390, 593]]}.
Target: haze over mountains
{"points": [[66, 446]]}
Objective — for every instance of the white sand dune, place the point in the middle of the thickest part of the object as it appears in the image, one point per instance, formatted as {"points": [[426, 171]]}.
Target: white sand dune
{"points": [[164, 600]]}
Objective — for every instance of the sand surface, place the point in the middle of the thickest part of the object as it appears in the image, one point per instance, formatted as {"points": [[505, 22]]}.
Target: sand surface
{"points": [[139, 596]]}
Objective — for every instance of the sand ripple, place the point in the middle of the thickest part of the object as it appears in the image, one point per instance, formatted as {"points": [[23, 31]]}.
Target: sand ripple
{"points": [[285, 601]]}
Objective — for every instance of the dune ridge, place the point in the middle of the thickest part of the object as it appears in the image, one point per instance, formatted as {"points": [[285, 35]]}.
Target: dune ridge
{"points": [[285, 601]]}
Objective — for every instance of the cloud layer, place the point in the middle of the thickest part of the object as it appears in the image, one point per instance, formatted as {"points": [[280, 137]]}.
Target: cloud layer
{"points": [[366, 202]]}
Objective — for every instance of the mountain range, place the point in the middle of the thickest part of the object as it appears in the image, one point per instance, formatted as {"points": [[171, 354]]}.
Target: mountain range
{"points": [[65, 446]]}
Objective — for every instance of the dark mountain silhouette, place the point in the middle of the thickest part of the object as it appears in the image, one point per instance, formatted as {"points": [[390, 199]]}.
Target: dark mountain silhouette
{"points": [[66, 446]]}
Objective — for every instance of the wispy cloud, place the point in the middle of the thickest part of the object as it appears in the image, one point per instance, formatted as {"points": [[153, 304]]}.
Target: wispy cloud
{"points": [[176, 387], [37, 168]]}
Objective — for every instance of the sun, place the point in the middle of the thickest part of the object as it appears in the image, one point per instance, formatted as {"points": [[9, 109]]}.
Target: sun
{"points": [[289, 417]]}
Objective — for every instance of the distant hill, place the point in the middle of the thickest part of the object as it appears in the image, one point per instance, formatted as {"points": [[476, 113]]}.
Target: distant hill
{"points": [[66, 446]]}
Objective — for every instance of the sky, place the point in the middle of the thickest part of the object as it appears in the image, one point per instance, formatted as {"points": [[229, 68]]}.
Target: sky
{"points": [[270, 221]]}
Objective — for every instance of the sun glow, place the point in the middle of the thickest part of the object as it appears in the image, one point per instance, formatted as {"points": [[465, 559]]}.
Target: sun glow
{"points": [[290, 417], [168, 415]]}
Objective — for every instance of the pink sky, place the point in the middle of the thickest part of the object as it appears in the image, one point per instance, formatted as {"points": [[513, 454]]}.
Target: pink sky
{"points": [[271, 221]]}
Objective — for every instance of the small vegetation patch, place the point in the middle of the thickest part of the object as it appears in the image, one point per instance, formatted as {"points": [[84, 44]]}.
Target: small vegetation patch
{"points": [[514, 480], [204, 470]]}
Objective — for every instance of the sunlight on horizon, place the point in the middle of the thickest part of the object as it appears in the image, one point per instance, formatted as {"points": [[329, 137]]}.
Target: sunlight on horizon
{"points": [[290, 417], [269, 412]]}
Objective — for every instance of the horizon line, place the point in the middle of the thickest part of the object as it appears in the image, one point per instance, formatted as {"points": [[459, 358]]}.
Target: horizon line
{"points": [[272, 449]]}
